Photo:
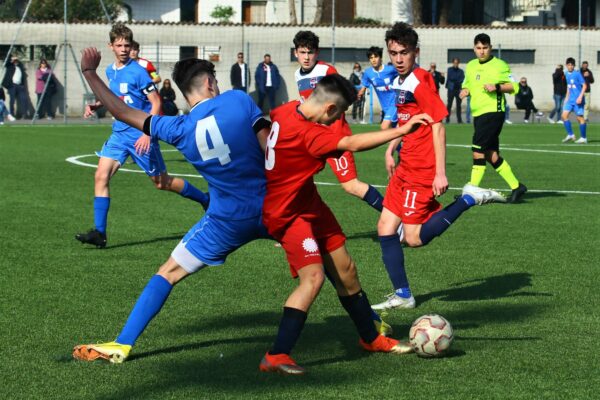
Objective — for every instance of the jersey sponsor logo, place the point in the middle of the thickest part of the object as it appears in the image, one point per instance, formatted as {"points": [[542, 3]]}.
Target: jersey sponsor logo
{"points": [[123, 87], [310, 245], [403, 116]]}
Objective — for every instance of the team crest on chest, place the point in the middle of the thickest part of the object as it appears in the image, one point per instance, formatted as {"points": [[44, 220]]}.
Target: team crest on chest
{"points": [[123, 87], [477, 77], [401, 99], [313, 82]]}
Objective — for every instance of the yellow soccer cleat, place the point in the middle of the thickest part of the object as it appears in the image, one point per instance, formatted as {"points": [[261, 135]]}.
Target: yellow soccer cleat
{"points": [[383, 328], [113, 352]]}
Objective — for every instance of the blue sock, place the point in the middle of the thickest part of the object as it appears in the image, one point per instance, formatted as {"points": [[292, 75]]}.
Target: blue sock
{"points": [[441, 220], [568, 128], [147, 306], [393, 259], [290, 327], [583, 130], [191, 192], [358, 308], [374, 198], [374, 315], [101, 206]]}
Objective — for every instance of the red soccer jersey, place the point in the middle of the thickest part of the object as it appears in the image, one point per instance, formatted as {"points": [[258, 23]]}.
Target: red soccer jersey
{"points": [[307, 81], [296, 151], [417, 94]]}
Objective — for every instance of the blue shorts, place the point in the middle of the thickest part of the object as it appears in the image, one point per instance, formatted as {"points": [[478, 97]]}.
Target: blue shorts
{"points": [[390, 113], [212, 239], [571, 106], [119, 149]]}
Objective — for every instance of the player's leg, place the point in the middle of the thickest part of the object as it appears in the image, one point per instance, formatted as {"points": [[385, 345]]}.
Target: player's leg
{"points": [[567, 123], [580, 113], [449, 105], [107, 167], [344, 169], [354, 300], [458, 109], [153, 164], [505, 171]]}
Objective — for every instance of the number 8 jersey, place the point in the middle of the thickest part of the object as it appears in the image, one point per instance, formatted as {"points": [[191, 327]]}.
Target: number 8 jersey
{"points": [[218, 139]]}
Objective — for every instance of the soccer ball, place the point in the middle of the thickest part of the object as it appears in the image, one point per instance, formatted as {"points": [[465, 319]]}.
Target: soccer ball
{"points": [[431, 335]]}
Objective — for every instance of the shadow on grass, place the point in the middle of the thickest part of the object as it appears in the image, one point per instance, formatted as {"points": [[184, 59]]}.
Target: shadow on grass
{"points": [[493, 287], [141, 242], [539, 195]]}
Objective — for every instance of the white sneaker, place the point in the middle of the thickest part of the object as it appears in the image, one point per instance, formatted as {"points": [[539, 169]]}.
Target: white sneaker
{"points": [[10, 118], [526, 121], [508, 121], [550, 120], [569, 138], [395, 301], [483, 196], [539, 114], [560, 121], [400, 231], [581, 141]]}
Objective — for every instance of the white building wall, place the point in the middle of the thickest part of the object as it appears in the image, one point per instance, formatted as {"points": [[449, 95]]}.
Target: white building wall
{"points": [[206, 7], [155, 10]]}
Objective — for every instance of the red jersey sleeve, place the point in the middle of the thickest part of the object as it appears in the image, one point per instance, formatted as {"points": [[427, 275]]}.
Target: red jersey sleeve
{"points": [[429, 100], [150, 68], [321, 141]]}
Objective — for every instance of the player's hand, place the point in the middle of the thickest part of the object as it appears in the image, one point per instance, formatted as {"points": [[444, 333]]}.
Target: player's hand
{"points": [[488, 87], [463, 93], [88, 112], [90, 58], [440, 185], [416, 120], [390, 164], [142, 145], [579, 100]]}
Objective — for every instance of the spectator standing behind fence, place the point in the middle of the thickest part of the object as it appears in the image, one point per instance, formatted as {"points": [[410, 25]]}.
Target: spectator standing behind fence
{"points": [[148, 66], [438, 77], [239, 74], [454, 80], [167, 95], [3, 110], [267, 81], [44, 100], [559, 84], [524, 100], [589, 79], [358, 106], [14, 81]]}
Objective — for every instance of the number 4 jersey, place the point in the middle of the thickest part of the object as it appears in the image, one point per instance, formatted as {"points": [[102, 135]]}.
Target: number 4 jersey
{"points": [[218, 139]]}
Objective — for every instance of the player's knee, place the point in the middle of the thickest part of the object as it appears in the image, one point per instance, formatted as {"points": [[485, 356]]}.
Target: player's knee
{"points": [[386, 227], [355, 188], [412, 239], [101, 178], [172, 272], [162, 183], [314, 279]]}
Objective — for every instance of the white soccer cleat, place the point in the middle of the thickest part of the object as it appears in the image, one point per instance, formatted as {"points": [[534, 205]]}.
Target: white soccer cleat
{"points": [[483, 196], [569, 138], [560, 121], [581, 141], [508, 121], [395, 301], [10, 118]]}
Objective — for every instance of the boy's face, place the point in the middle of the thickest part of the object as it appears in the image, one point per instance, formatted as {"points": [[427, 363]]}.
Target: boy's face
{"points": [[570, 67], [307, 58], [121, 48], [133, 53], [402, 57], [482, 51], [375, 60]]}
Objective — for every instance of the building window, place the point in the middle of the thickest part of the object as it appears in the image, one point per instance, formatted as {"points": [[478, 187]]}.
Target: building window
{"points": [[510, 56], [254, 12]]}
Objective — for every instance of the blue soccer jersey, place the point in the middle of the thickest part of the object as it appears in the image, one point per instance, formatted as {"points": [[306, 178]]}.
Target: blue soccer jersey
{"points": [[381, 81], [132, 84], [575, 84], [217, 138]]}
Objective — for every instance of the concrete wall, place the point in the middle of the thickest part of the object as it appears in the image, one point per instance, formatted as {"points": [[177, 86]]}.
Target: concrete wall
{"points": [[552, 46], [154, 10]]}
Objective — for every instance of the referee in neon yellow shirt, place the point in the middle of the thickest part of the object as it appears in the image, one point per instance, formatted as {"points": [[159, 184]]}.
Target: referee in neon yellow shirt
{"points": [[487, 78]]}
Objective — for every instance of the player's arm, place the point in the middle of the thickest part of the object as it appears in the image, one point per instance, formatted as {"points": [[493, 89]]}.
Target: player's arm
{"points": [[361, 93], [582, 93], [90, 59], [367, 141], [440, 182], [154, 99], [390, 162], [262, 128]]}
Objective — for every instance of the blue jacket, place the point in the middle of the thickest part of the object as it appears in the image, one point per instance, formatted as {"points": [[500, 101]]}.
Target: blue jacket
{"points": [[454, 79], [260, 77]]}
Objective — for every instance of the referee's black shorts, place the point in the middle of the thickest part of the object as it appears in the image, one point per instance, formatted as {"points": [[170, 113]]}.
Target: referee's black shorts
{"points": [[487, 131]]}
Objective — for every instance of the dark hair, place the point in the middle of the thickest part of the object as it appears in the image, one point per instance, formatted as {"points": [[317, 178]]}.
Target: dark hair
{"points": [[135, 45], [189, 70], [375, 51], [120, 31], [167, 81], [337, 86], [483, 39], [570, 60], [306, 39], [403, 34], [267, 55]]}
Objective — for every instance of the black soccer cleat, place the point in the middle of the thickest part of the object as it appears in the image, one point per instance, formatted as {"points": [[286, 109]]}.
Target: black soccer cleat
{"points": [[516, 194], [94, 237]]}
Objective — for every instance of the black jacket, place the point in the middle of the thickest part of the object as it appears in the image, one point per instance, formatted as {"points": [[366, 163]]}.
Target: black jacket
{"points": [[559, 82], [524, 97], [10, 71], [236, 76]]}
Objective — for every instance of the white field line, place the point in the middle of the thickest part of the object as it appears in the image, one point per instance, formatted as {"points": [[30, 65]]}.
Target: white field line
{"points": [[584, 153], [76, 160]]}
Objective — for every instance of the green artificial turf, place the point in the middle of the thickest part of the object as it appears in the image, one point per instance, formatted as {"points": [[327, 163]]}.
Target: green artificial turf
{"points": [[517, 282]]}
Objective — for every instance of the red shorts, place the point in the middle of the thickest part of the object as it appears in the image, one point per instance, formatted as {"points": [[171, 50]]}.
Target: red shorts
{"points": [[309, 235], [412, 203], [343, 167]]}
